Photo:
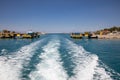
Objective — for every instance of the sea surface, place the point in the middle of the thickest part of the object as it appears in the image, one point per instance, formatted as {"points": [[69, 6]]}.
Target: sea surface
{"points": [[58, 57]]}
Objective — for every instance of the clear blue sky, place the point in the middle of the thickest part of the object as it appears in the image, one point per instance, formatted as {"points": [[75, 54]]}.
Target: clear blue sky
{"points": [[59, 15]]}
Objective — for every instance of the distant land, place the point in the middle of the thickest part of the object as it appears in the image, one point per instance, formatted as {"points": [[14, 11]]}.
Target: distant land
{"points": [[107, 33]]}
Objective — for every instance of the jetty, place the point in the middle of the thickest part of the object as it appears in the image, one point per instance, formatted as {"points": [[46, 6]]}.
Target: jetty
{"points": [[76, 35], [85, 35], [6, 34]]}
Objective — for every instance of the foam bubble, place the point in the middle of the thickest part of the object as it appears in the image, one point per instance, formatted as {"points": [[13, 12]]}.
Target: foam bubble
{"points": [[50, 67]]}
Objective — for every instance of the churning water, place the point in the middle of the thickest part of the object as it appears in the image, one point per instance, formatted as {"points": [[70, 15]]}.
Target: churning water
{"points": [[54, 57]]}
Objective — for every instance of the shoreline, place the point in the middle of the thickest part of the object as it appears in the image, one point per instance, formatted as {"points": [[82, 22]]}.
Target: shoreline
{"points": [[108, 36]]}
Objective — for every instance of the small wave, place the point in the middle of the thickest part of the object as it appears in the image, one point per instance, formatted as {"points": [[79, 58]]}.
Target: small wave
{"points": [[4, 52], [50, 67]]}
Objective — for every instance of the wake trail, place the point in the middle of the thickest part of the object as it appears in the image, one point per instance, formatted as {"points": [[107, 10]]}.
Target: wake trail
{"points": [[11, 65], [50, 66], [86, 64]]}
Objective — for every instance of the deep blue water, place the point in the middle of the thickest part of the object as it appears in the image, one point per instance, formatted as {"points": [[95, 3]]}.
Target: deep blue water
{"points": [[58, 57]]}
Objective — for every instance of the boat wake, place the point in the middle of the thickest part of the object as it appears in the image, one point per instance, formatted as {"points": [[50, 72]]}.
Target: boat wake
{"points": [[11, 65], [51, 58], [50, 66], [87, 64]]}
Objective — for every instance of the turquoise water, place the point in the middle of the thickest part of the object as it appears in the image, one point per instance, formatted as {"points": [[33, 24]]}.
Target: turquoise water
{"points": [[58, 57]]}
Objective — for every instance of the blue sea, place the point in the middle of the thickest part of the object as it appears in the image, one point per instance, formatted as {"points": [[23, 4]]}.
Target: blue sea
{"points": [[58, 57]]}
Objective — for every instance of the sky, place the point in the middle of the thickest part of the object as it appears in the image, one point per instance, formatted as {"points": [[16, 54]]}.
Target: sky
{"points": [[54, 16]]}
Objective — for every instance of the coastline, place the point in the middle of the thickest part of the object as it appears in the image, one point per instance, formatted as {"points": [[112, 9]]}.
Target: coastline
{"points": [[108, 36]]}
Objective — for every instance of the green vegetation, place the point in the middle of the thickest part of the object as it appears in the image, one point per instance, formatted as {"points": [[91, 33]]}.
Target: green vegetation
{"points": [[114, 28], [108, 30]]}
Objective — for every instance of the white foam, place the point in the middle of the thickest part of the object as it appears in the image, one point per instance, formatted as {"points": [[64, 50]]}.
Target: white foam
{"points": [[86, 64], [11, 65], [50, 67], [101, 74], [4, 52]]}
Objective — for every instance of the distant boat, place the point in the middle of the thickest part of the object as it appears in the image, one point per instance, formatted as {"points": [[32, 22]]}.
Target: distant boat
{"points": [[93, 37]]}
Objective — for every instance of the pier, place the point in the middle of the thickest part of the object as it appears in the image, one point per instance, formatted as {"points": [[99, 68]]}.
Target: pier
{"points": [[17, 35], [83, 36]]}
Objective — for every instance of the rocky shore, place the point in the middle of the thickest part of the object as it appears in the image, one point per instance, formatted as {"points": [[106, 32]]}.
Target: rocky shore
{"points": [[109, 36]]}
